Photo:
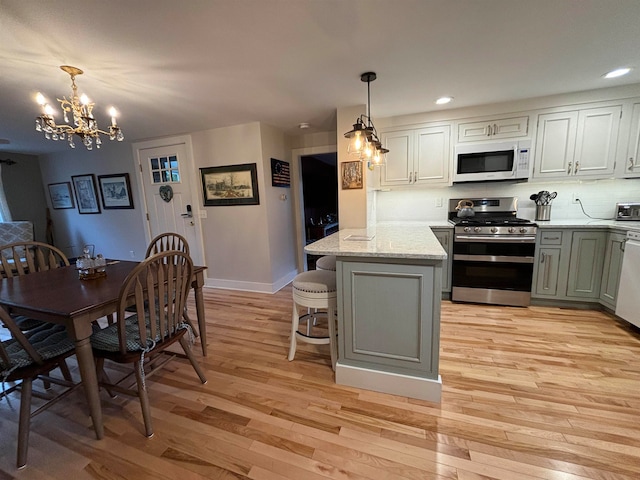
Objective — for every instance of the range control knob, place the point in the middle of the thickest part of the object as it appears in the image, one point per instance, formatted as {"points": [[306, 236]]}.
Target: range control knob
{"points": [[512, 230], [523, 230], [494, 229], [477, 229], [467, 229]]}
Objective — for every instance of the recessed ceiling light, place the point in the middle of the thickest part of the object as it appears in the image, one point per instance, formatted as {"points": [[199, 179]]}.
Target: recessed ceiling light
{"points": [[443, 100], [303, 125], [618, 72]]}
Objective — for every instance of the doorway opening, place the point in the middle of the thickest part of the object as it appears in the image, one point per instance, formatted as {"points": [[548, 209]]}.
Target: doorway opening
{"points": [[320, 197]]}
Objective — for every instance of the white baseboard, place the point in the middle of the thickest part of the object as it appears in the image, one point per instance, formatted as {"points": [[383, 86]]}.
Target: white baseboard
{"points": [[386, 382], [250, 286]]}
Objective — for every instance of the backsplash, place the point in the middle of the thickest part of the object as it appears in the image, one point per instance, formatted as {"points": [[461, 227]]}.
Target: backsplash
{"points": [[598, 198]]}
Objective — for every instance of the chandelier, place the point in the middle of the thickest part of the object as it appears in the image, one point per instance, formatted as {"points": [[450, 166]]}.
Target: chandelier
{"points": [[81, 108], [364, 143]]}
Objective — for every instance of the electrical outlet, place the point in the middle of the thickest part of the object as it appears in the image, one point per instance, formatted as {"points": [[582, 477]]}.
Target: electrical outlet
{"points": [[132, 254], [575, 198], [439, 202]]}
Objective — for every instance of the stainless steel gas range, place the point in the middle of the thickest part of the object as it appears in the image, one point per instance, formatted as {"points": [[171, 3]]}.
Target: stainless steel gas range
{"points": [[493, 252]]}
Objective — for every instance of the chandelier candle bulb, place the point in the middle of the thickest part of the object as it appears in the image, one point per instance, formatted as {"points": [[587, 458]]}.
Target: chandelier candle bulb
{"points": [[114, 113]]}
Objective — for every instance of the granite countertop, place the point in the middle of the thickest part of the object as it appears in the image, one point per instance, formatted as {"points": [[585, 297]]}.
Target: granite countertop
{"points": [[588, 223], [398, 240]]}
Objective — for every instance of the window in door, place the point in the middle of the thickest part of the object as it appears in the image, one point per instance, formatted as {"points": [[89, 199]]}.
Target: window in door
{"points": [[164, 169]]}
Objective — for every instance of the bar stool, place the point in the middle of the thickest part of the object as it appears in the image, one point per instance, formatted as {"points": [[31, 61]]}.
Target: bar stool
{"points": [[314, 289], [328, 262]]}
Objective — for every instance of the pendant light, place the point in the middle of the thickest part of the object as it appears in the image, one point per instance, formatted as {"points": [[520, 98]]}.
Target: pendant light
{"points": [[364, 144]]}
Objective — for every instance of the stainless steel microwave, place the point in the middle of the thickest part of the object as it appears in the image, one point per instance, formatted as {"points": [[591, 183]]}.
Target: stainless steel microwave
{"points": [[492, 161]]}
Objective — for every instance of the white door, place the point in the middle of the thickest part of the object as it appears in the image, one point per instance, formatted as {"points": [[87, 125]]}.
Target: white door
{"points": [[171, 202]]}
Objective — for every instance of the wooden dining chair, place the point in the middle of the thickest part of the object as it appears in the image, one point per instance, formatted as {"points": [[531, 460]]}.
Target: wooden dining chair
{"points": [[158, 287], [171, 241], [167, 241], [22, 258], [29, 355]]}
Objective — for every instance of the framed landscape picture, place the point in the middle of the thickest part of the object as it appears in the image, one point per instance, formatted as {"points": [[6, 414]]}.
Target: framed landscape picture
{"points": [[61, 196], [86, 198], [115, 191], [230, 185]]}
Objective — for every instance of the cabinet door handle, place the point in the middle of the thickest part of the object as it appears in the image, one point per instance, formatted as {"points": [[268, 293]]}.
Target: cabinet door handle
{"points": [[495, 129], [576, 169], [569, 169], [547, 274], [410, 177], [542, 256], [623, 244], [630, 164], [551, 238], [415, 177], [489, 130]]}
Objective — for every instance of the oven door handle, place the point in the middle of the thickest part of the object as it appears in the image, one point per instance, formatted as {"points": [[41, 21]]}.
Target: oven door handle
{"points": [[492, 238], [492, 258]]}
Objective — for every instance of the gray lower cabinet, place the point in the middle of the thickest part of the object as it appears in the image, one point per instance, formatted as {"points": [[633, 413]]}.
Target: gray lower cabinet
{"points": [[445, 237], [389, 315], [585, 264], [568, 264], [611, 271]]}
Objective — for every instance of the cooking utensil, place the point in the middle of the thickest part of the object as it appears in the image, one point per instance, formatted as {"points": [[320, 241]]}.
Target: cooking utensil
{"points": [[543, 197], [465, 209]]}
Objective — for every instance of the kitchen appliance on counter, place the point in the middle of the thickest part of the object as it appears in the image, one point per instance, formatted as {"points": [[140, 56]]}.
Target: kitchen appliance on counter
{"points": [[628, 211], [493, 253], [492, 161], [628, 303]]}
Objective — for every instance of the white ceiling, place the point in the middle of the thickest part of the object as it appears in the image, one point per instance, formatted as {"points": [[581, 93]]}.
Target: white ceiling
{"points": [[173, 67]]}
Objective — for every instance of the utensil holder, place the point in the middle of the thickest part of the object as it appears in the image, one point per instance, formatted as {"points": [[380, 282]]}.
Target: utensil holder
{"points": [[543, 212]]}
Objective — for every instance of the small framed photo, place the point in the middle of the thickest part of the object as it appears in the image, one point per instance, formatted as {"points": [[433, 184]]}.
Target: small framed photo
{"points": [[61, 196], [115, 191], [86, 198], [351, 175], [230, 185]]}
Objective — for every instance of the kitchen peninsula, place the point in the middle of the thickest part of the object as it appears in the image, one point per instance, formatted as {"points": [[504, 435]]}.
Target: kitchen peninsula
{"points": [[389, 282]]}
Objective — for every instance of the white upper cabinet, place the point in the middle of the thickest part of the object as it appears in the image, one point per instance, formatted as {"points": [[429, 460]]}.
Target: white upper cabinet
{"points": [[577, 143], [493, 128], [417, 156], [632, 160]]}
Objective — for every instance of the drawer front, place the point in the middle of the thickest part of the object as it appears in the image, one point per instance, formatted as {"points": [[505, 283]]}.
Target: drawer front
{"points": [[551, 238]]}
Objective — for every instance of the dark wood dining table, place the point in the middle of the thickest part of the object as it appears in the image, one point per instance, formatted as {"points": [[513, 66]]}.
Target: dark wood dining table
{"points": [[59, 296]]}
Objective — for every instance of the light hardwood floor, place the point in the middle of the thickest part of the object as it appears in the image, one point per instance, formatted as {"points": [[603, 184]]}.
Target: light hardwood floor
{"points": [[528, 393]]}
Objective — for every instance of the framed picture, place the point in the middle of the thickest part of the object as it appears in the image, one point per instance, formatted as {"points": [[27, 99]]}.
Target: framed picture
{"points": [[85, 187], [230, 185], [351, 175], [280, 176], [61, 196], [115, 191]]}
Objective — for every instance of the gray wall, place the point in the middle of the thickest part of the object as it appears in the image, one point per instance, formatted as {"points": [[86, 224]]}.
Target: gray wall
{"points": [[25, 193], [113, 232], [249, 247]]}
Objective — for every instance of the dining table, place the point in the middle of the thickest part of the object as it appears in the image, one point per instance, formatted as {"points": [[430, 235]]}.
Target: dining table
{"points": [[60, 296]]}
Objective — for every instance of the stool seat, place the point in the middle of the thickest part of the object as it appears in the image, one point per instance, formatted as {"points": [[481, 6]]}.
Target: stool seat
{"points": [[314, 289], [328, 262], [315, 281]]}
